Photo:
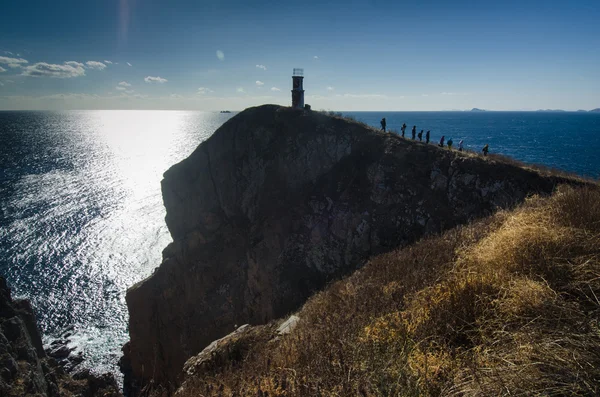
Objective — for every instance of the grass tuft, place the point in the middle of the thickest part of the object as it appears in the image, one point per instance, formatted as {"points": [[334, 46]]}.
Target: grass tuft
{"points": [[508, 305]]}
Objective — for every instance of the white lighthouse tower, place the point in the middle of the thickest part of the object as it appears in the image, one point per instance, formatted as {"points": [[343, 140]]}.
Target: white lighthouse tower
{"points": [[298, 89]]}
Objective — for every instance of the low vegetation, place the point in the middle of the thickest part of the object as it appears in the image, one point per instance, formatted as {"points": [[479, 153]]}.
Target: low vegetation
{"points": [[508, 305]]}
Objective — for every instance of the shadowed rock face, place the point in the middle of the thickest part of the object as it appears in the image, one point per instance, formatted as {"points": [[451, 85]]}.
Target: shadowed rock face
{"points": [[25, 370], [277, 203]]}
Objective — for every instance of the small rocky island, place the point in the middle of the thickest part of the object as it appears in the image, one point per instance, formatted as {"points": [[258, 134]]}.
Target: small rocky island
{"points": [[277, 203]]}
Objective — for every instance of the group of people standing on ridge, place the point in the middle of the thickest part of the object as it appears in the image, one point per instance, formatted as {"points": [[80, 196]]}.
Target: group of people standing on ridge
{"points": [[449, 143]]}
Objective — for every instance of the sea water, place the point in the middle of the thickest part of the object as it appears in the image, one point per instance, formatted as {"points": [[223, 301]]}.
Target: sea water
{"points": [[81, 212]]}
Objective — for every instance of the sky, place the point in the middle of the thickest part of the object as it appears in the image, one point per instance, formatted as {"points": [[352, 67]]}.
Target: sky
{"points": [[356, 55]]}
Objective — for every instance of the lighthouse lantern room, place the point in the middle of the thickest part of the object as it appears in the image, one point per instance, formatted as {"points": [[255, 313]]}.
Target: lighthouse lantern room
{"points": [[298, 89]]}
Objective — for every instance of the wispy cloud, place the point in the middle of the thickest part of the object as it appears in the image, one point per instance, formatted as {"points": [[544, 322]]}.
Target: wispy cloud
{"points": [[157, 79], [2, 69], [330, 88], [95, 65], [275, 89], [8, 52], [124, 86], [65, 71], [424, 94], [263, 67], [259, 83], [108, 62], [129, 64], [240, 90], [204, 90], [315, 57], [220, 55], [1, 83], [13, 62]]}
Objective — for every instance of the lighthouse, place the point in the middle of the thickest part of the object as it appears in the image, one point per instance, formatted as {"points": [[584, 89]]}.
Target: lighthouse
{"points": [[298, 89]]}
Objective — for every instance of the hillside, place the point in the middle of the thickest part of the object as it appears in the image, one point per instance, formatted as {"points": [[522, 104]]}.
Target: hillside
{"points": [[278, 203], [507, 305]]}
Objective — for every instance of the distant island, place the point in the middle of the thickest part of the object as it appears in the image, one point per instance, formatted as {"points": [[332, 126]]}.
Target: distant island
{"points": [[597, 110], [550, 110], [477, 110]]}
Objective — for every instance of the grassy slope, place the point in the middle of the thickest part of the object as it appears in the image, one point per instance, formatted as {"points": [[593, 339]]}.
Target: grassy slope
{"points": [[505, 306]]}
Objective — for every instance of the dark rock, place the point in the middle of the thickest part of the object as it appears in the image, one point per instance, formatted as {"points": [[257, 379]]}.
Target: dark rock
{"points": [[276, 204], [8, 367], [24, 367], [60, 352], [82, 374]]}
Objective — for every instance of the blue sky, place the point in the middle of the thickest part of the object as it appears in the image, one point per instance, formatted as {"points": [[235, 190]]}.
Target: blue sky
{"points": [[368, 55]]}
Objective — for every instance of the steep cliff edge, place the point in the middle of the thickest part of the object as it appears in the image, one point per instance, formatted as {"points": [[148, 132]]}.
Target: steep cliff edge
{"points": [[277, 203]]}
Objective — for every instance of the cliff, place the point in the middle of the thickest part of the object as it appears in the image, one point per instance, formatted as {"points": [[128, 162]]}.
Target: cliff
{"points": [[279, 202], [506, 305], [25, 369]]}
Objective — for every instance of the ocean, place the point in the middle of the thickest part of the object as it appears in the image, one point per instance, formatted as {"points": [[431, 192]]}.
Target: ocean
{"points": [[81, 213]]}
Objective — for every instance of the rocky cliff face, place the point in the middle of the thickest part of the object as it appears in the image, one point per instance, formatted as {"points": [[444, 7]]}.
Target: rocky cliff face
{"points": [[24, 367], [277, 203]]}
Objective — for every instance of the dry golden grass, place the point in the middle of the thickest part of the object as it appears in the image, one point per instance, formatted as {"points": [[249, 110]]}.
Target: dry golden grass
{"points": [[506, 306]]}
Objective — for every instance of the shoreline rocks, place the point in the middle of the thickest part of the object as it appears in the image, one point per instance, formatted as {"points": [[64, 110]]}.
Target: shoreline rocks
{"points": [[26, 369]]}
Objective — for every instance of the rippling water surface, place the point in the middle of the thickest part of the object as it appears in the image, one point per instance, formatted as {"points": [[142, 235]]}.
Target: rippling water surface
{"points": [[82, 216]]}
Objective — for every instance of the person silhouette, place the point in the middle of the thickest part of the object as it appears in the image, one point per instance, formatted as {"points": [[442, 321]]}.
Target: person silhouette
{"points": [[420, 135], [383, 124], [485, 149], [403, 129], [460, 145], [414, 131], [442, 141], [427, 137], [450, 143]]}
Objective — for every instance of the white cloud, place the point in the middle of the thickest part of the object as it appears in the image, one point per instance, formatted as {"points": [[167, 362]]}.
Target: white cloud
{"points": [[240, 90], [119, 88], [263, 67], [108, 62], [204, 90], [124, 84], [2, 69], [315, 57], [129, 64], [330, 88], [13, 62], [8, 52], [275, 89], [259, 83], [424, 94], [95, 65], [43, 69], [220, 55], [74, 64], [157, 79]]}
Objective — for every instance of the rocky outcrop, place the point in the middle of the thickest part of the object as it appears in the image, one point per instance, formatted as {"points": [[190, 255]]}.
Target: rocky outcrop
{"points": [[277, 203], [24, 367]]}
